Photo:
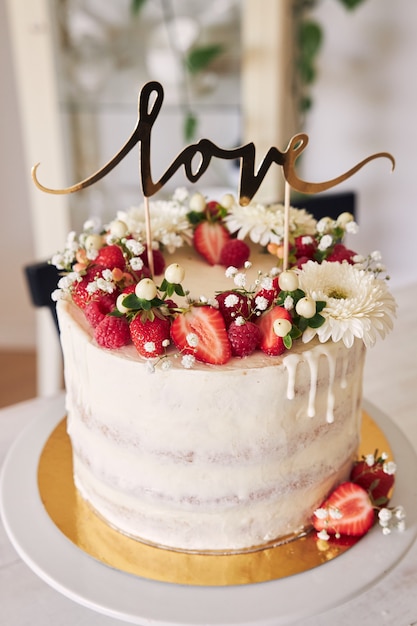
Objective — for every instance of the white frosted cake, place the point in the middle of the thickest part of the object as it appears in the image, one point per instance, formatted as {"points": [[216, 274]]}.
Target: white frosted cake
{"points": [[214, 405]]}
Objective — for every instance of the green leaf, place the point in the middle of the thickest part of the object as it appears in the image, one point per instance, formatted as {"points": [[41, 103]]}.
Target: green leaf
{"points": [[136, 6], [316, 321], [320, 304], [196, 217], [288, 341], [351, 4], [179, 290], [310, 37], [199, 58], [190, 126]]}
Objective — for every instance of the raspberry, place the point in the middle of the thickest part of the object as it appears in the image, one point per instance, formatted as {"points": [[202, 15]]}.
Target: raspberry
{"points": [[96, 310], [158, 261], [305, 246], [233, 304], [112, 332], [235, 252], [244, 338], [110, 257], [341, 253]]}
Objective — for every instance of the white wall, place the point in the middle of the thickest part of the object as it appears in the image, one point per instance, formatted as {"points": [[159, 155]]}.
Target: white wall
{"points": [[364, 101], [17, 321]]}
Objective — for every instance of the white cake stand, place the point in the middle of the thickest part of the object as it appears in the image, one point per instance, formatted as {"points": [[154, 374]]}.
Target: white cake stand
{"points": [[136, 600]]}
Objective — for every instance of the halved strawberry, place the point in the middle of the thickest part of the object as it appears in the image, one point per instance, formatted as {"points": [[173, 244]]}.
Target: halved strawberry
{"points": [[206, 326], [149, 336], [209, 239], [374, 480], [347, 511], [270, 342]]}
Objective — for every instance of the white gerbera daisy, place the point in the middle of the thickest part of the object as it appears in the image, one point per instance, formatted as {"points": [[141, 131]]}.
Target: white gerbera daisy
{"points": [[357, 303], [264, 224]]}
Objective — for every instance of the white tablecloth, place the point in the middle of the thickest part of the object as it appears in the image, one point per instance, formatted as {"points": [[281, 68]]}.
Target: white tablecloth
{"points": [[390, 384]]}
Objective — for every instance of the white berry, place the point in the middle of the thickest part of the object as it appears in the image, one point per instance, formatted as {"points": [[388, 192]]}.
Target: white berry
{"points": [[119, 303], [288, 281], [344, 218], [281, 327], [118, 229], [227, 201], [93, 242], [146, 289], [306, 307], [174, 273], [197, 202]]}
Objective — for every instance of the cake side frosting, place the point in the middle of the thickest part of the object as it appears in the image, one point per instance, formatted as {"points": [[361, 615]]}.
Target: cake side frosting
{"points": [[209, 458]]}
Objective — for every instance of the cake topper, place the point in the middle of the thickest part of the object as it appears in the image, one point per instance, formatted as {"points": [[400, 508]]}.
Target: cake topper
{"points": [[149, 105]]}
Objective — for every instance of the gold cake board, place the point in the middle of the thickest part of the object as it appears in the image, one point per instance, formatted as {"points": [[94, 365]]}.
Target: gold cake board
{"points": [[81, 525]]}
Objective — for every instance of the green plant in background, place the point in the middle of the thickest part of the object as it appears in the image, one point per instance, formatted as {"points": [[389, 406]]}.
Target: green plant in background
{"points": [[308, 39], [194, 61]]}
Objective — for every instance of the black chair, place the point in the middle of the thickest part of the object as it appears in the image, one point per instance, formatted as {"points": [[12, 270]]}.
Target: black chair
{"points": [[326, 205], [42, 279]]}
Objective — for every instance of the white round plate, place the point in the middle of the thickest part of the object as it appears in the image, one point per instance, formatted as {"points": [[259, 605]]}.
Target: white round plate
{"points": [[139, 601]]}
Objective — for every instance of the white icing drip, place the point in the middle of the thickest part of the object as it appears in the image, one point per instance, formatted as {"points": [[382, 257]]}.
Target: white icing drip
{"points": [[290, 362], [312, 361], [312, 358]]}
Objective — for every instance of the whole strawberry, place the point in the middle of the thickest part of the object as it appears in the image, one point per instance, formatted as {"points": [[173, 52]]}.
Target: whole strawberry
{"points": [[376, 476], [79, 292], [158, 262], [233, 304], [112, 332], [150, 336], [244, 337]]}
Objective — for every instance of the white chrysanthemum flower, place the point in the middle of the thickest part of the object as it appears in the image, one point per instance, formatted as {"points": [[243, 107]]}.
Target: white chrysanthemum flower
{"points": [[358, 304], [169, 224], [264, 224]]}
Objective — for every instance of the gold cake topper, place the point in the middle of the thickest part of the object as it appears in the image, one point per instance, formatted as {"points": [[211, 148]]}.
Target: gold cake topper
{"points": [[149, 105]]}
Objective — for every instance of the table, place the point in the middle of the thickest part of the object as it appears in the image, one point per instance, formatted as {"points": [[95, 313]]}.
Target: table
{"points": [[390, 383]]}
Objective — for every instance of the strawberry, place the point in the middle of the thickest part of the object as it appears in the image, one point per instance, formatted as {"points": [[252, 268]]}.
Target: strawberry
{"points": [[79, 293], [234, 252], [97, 309], [305, 246], [209, 239], [374, 480], [149, 335], [207, 324], [341, 253], [347, 511], [233, 304], [110, 257], [244, 338], [112, 332], [270, 343], [268, 294], [158, 261]]}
